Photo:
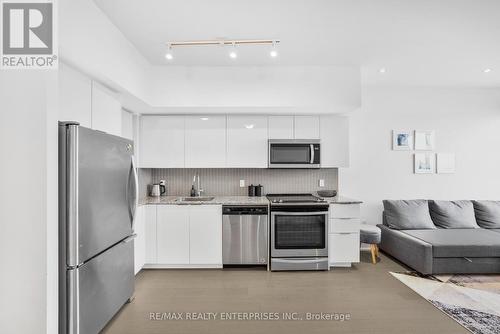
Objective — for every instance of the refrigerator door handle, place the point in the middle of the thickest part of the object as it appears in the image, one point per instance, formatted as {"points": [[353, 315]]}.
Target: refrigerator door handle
{"points": [[72, 196], [73, 302], [133, 206]]}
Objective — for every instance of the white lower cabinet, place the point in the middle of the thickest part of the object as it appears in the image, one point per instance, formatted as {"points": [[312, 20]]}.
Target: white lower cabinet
{"points": [[150, 233], [140, 240], [343, 248], [172, 234], [343, 234], [205, 234], [183, 236]]}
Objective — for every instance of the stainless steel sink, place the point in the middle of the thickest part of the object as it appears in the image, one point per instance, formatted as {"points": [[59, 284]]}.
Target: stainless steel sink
{"points": [[196, 199]]}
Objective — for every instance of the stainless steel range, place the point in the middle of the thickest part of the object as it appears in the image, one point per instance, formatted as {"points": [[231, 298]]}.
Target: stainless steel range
{"points": [[299, 232]]}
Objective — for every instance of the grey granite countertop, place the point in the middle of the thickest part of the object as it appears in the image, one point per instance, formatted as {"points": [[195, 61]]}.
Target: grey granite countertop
{"points": [[225, 200], [233, 200], [341, 200]]}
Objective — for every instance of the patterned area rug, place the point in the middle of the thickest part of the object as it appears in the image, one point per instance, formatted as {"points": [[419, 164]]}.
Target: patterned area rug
{"points": [[471, 300]]}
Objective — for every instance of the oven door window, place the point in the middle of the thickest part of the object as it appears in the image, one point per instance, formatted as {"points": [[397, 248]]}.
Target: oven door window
{"points": [[290, 154], [299, 232]]}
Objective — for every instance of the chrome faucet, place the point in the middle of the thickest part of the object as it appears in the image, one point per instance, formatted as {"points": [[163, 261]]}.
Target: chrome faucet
{"points": [[197, 180]]}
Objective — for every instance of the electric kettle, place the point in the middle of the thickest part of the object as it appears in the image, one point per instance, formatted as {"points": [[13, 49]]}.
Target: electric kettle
{"points": [[155, 190]]}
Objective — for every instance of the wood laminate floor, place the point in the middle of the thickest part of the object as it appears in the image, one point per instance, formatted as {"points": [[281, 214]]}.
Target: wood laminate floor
{"points": [[376, 302]]}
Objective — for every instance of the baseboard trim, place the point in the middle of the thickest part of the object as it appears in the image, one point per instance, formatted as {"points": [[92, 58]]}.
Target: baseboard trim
{"points": [[182, 266], [341, 264]]}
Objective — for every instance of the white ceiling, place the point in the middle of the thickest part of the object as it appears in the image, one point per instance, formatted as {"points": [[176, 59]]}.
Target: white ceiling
{"points": [[422, 42]]}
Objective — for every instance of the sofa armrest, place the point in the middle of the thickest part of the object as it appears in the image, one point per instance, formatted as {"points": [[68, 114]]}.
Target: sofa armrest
{"points": [[413, 252]]}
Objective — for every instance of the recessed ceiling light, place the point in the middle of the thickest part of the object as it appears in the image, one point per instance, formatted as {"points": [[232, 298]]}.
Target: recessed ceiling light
{"points": [[487, 70], [249, 126], [382, 70], [204, 118]]}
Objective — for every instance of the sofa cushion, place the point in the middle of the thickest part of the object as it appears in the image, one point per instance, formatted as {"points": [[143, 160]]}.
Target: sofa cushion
{"points": [[453, 214], [460, 242], [407, 214], [487, 213]]}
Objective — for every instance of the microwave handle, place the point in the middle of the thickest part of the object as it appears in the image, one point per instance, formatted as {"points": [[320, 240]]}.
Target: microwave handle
{"points": [[312, 154]]}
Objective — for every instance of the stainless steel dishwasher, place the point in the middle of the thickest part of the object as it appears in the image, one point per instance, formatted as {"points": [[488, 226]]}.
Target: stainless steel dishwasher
{"points": [[245, 235]]}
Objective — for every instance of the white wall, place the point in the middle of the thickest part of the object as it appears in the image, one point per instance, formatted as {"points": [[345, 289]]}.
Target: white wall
{"points": [[28, 202], [306, 89], [75, 92], [91, 43], [467, 123]]}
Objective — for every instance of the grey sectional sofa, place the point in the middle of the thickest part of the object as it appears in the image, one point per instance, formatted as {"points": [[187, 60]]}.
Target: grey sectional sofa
{"points": [[443, 237]]}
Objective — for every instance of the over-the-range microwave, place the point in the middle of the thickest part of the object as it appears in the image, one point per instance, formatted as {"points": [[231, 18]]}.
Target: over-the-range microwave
{"points": [[294, 153]]}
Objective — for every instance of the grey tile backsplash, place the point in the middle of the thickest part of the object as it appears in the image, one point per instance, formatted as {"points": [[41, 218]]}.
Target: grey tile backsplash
{"points": [[226, 181]]}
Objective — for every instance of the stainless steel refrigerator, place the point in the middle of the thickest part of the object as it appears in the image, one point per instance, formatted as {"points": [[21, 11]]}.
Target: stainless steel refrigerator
{"points": [[97, 203]]}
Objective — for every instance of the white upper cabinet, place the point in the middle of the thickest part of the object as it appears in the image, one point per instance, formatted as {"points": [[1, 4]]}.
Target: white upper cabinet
{"points": [[106, 110], [75, 96], [334, 141], [162, 142], [205, 141], [247, 141], [234, 141], [306, 127], [294, 127], [281, 127]]}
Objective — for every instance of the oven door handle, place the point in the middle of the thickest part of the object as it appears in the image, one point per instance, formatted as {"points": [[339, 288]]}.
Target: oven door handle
{"points": [[315, 213], [312, 154], [299, 260]]}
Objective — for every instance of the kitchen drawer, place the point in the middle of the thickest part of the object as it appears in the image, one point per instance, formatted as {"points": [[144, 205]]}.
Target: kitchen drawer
{"points": [[343, 247], [345, 211], [344, 225]]}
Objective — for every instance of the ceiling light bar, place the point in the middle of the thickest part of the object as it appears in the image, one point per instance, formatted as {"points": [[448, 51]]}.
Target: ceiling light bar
{"points": [[224, 42]]}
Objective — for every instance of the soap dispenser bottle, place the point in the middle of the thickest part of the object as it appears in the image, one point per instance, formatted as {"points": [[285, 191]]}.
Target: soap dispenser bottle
{"points": [[193, 191]]}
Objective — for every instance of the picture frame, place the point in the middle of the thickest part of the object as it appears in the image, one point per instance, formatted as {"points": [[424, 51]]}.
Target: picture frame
{"points": [[402, 140], [445, 163], [425, 140], [424, 163]]}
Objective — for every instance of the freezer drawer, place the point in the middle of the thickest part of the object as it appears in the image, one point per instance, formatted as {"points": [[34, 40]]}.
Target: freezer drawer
{"points": [[244, 239], [99, 288]]}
